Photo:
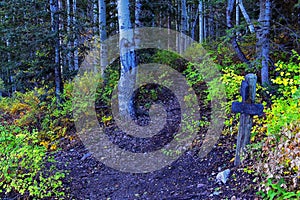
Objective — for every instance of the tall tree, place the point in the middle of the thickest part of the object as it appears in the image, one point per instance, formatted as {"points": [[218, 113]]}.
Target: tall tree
{"points": [[76, 53], [69, 37], [245, 14], [201, 22], [184, 17], [263, 37], [127, 58], [9, 71], [103, 35], [57, 65], [237, 13], [235, 45]]}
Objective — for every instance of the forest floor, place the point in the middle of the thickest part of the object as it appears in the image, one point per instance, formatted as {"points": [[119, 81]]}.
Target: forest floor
{"points": [[190, 177]]}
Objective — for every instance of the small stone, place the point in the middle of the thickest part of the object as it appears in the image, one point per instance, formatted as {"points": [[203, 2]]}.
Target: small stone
{"points": [[137, 195], [233, 198], [200, 185], [85, 156], [223, 176]]}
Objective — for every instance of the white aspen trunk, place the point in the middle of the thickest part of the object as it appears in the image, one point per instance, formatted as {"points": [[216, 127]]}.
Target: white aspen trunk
{"points": [[177, 25], [237, 13], [138, 23], [76, 54], [95, 31], [137, 35], [204, 22], [189, 16], [183, 25], [201, 21], [169, 29], [61, 29], [69, 45], [55, 29], [103, 36], [127, 57], [246, 16], [102, 20], [184, 17]]}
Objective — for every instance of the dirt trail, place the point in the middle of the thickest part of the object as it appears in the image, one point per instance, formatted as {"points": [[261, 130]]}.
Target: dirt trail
{"points": [[187, 178]]}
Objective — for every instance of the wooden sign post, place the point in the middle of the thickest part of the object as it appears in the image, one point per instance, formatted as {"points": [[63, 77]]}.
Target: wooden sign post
{"points": [[247, 108]]}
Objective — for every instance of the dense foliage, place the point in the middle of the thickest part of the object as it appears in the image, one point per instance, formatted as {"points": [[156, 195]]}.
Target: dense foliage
{"points": [[41, 50]]}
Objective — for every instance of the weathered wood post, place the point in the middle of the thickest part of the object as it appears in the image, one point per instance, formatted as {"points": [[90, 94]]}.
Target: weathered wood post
{"points": [[247, 108]]}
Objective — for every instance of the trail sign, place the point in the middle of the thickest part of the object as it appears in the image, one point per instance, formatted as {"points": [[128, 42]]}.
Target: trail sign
{"points": [[247, 108]]}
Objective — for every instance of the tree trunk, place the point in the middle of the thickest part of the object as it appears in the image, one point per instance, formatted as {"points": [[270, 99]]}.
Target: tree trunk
{"points": [[138, 24], [137, 21], [237, 13], [201, 22], [263, 37], [103, 36], [184, 18], [127, 57], [211, 30], [194, 24], [95, 31], [76, 54], [246, 16], [69, 37], [11, 81], [95, 18], [234, 43], [63, 61], [57, 70]]}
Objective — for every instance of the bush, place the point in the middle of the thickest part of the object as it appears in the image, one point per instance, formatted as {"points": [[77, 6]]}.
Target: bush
{"points": [[280, 148], [22, 160]]}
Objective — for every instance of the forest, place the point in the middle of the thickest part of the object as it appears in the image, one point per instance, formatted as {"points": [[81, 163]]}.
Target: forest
{"points": [[170, 99]]}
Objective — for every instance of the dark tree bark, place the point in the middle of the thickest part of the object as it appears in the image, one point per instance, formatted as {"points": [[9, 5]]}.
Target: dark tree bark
{"points": [[263, 39], [235, 45]]}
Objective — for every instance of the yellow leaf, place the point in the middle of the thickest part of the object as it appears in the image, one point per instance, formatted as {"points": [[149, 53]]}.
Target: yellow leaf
{"points": [[53, 147], [285, 82]]}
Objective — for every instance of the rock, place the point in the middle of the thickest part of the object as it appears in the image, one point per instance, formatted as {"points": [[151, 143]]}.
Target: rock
{"points": [[85, 156], [223, 176], [200, 185]]}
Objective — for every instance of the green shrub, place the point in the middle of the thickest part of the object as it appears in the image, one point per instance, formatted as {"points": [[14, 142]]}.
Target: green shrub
{"points": [[22, 162], [276, 191], [281, 130]]}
